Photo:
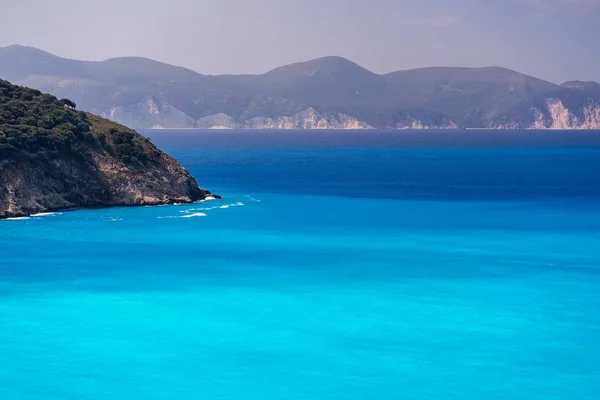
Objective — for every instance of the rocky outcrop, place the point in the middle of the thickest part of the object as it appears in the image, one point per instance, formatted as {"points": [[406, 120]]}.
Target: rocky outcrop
{"points": [[147, 115], [150, 113], [553, 114], [308, 119], [82, 161], [49, 181], [313, 119], [558, 116], [52, 180]]}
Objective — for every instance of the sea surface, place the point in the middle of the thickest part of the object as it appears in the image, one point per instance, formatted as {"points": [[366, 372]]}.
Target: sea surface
{"points": [[340, 265]]}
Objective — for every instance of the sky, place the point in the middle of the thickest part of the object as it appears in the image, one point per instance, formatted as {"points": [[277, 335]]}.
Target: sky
{"points": [[557, 40]]}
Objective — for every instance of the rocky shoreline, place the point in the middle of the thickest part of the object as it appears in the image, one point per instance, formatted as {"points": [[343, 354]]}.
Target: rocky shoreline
{"points": [[8, 216]]}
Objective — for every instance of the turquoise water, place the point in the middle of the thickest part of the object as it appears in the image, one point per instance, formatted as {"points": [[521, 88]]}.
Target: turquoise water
{"points": [[336, 267]]}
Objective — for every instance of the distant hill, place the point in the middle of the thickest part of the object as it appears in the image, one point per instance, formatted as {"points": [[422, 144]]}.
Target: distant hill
{"points": [[330, 92]]}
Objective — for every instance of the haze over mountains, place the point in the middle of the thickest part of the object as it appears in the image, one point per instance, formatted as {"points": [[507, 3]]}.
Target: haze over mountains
{"points": [[330, 92]]}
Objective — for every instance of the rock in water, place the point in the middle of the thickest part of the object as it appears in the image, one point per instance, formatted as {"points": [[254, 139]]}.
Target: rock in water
{"points": [[53, 157]]}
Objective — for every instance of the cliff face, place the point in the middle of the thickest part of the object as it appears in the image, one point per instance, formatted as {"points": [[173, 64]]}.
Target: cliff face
{"points": [[553, 114], [53, 157], [147, 115], [308, 119], [557, 116]]}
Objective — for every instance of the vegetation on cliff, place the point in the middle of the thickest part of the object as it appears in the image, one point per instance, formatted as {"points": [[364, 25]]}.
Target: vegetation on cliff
{"points": [[31, 121], [54, 157]]}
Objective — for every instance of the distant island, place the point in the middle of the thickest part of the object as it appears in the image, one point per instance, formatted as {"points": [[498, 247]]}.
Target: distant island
{"points": [[327, 93], [53, 157]]}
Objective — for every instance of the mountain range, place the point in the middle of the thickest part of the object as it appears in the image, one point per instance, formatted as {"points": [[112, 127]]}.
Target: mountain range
{"points": [[330, 92], [53, 157]]}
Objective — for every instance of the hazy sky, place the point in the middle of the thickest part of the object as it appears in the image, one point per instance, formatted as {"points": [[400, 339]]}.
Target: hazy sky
{"points": [[553, 39]]}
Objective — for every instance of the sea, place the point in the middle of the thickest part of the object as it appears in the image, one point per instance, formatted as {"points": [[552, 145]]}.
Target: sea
{"points": [[352, 265]]}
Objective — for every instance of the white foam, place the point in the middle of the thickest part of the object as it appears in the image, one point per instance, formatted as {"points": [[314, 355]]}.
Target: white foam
{"points": [[115, 219], [200, 209], [198, 214], [17, 219], [194, 215], [252, 198], [238, 204], [225, 206], [47, 214]]}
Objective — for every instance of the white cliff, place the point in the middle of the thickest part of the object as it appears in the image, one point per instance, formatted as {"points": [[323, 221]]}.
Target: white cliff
{"points": [[416, 124], [149, 114], [157, 114], [308, 119], [558, 116], [217, 121]]}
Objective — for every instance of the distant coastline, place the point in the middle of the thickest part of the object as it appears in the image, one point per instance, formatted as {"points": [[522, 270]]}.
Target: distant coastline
{"points": [[367, 129], [325, 93]]}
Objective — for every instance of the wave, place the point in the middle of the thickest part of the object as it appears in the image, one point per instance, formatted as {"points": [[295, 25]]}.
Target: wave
{"points": [[252, 198], [223, 207], [38, 215], [209, 198], [46, 214], [194, 215], [17, 219], [238, 204], [184, 216], [201, 211]]}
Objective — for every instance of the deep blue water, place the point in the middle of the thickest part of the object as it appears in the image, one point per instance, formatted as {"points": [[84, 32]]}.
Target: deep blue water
{"points": [[340, 265]]}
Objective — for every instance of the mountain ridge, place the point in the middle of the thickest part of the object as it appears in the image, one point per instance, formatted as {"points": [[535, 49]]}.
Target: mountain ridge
{"points": [[328, 92]]}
